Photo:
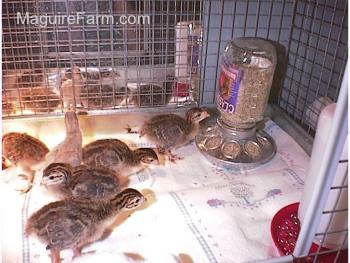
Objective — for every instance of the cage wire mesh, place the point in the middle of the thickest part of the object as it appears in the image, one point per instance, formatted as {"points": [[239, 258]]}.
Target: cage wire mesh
{"points": [[172, 60], [317, 57], [99, 65], [311, 42]]}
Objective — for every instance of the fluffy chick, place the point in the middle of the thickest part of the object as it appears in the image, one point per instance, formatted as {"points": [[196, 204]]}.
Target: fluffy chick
{"points": [[152, 95], [72, 84], [31, 78], [24, 151], [74, 223], [169, 131], [117, 155], [39, 99], [68, 151], [82, 181], [96, 96]]}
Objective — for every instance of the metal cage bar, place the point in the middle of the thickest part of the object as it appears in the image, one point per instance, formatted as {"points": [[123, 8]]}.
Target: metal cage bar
{"points": [[330, 161]]}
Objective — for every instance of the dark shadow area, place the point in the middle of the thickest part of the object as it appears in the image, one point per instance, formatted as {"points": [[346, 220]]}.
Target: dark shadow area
{"points": [[280, 72]]}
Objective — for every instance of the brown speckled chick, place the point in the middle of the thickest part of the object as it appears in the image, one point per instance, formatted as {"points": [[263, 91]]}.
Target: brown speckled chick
{"points": [[170, 131], [39, 99], [117, 155], [74, 223], [68, 151], [72, 84], [82, 181], [23, 151]]}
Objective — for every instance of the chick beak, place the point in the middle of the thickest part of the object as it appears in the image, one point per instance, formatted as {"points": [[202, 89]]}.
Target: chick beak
{"points": [[205, 114]]}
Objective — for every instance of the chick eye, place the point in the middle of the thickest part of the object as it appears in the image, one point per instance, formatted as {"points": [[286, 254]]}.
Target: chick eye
{"points": [[51, 177]]}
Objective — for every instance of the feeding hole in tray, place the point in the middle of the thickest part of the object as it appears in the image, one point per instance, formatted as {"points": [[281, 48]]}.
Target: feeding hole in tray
{"points": [[213, 142], [253, 150], [231, 149], [263, 141]]}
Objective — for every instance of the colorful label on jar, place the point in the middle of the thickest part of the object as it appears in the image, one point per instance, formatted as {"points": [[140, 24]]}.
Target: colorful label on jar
{"points": [[229, 84], [193, 55]]}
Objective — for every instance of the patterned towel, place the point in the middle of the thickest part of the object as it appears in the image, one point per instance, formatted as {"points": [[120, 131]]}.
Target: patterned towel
{"points": [[198, 212]]}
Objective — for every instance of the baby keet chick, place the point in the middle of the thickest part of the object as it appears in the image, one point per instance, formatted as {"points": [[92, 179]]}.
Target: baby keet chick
{"points": [[74, 223], [72, 84], [24, 151], [39, 99], [68, 151], [103, 96], [82, 181], [152, 95], [169, 131], [117, 155]]}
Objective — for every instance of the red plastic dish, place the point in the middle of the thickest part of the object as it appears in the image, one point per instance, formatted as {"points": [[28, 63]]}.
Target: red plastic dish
{"points": [[285, 228]]}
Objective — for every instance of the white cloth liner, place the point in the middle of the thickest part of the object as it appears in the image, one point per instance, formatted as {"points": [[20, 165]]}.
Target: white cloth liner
{"points": [[208, 213]]}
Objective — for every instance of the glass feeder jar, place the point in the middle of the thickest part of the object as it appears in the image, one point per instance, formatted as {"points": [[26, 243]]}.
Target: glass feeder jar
{"points": [[247, 68], [246, 72]]}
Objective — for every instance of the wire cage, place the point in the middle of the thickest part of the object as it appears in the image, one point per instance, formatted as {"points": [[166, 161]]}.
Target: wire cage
{"points": [[107, 62], [170, 59]]}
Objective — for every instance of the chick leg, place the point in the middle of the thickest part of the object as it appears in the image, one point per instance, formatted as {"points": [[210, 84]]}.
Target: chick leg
{"points": [[66, 96], [167, 152], [77, 97], [172, 157], [160, 149], [77, 251], [55, 256]]}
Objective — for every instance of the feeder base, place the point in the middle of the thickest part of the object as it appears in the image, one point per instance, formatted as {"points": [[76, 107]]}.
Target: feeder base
{"points": [[238, 149]]}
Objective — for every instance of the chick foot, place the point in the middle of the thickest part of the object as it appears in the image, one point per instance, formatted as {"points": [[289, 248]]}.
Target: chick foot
{"points": [[77, 252], [172, 157], [55, 256], [129, 130], [161, 150]]}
